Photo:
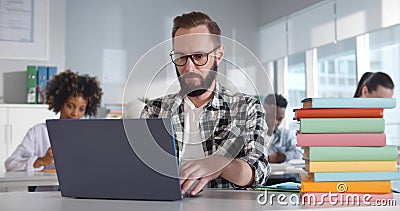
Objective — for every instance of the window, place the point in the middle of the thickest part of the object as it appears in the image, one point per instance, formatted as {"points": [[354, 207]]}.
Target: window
{"points": [[384, 56], [296, 86], [340, 79]]}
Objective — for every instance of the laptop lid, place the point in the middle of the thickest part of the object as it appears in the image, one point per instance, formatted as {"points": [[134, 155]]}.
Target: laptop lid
{"points": [[115, 158]]}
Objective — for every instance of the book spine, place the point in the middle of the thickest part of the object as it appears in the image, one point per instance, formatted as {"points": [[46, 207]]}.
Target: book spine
{"points": [[339, 113], [31, 81], [354, 176], [350, 153], [51, 71], [342, 125], [347, 187], [351, 166], [41, 84], [345, 197], [341, 139], [386, 103]]}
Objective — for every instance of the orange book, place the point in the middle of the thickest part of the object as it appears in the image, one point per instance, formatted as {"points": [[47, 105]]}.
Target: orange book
{"points": [[338, 113], [347, 187]]}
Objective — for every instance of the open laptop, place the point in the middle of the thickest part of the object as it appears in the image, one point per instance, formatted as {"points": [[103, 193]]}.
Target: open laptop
{"points": [[115, 158]]}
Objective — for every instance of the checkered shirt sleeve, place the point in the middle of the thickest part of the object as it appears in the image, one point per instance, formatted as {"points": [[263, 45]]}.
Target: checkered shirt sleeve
{"points": [[231, 125]]}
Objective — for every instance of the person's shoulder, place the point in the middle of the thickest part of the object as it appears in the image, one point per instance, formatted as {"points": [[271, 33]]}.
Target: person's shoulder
{"points": [[162, 100], [286, 132], [235, 96], [38, 130], [39, 127]]}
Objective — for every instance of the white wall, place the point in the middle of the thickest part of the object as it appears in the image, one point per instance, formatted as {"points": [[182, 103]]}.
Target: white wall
{"points": [[57, 18], [79, 30], [271, 10]]}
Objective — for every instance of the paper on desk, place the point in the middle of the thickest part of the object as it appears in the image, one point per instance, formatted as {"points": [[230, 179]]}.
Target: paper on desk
{"points": [[396, 186], [296, 162], [279, 166], [286, 186]]}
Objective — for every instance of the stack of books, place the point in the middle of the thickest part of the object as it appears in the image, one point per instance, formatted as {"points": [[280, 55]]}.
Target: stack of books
{"points": [[114, 111], [345, 150]]}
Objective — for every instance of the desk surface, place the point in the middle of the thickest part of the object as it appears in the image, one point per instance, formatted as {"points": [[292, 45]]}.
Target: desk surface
{"points": [[208, 200], [24, 179]]}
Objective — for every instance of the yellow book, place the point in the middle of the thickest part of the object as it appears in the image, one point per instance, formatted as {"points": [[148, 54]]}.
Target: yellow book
{"points": [[347, 187], [351, 166]]}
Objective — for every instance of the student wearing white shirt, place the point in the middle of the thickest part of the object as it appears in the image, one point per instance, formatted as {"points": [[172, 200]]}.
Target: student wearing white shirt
{"points": [[283, 146], [73, 96]]}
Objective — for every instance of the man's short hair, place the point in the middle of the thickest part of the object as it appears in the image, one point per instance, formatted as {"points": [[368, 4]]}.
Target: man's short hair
{"points": [[275, 99], [194, 19]]}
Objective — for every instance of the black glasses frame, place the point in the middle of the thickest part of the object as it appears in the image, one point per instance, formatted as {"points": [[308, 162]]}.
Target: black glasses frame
{"points": [[171, 54]]}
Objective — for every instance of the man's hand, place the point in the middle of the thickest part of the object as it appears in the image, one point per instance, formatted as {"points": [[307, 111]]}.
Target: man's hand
{"points": [[204, 170], [276, 157], [45, 160]]}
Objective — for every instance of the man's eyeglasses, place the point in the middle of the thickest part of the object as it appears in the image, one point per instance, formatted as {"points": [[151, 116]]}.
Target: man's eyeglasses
{"points": [[199, 59]]}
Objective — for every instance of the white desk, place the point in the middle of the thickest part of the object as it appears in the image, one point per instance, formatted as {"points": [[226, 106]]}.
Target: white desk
{"points": [[19, 181], [208, 200], [286, 168]]}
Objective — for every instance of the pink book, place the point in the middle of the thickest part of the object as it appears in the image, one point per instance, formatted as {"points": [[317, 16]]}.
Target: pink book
{"points": [[341, 139], [363, 198]]}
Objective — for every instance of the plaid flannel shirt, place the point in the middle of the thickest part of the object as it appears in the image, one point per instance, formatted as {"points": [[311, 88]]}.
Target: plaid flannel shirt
{"points": [[232, 125]]}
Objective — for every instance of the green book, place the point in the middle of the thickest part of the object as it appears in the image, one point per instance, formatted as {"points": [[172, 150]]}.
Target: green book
{"points": [[386, 153], [31, 82], [342, 125]]}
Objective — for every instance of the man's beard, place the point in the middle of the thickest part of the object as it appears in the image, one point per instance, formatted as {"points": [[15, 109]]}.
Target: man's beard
{"points": [[192, 90]]}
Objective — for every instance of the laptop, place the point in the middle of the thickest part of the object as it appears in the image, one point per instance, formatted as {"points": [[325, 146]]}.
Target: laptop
{"points": [[115, 158]]}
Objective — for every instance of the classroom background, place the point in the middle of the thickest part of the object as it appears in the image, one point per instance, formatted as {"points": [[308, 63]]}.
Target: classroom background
{"points": [[309, 48]]}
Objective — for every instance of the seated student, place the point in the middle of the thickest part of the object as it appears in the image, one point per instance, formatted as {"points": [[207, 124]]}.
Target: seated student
{"points": [[219, 133], [376, 84], [73, 96], [283, 145]]}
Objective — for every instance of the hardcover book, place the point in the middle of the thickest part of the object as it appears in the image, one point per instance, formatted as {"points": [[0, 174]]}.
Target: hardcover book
{"points": [[351, 176], [347, 187], [349, 103], [346, 197], [338, 113], [350, 166], [31, 83], [341, 139], [342, 125], [350, 153]]}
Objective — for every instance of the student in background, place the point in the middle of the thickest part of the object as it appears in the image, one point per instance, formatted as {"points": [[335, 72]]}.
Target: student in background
{"points": [[219, 133], [283, 145], [73, 96], [375, 85]]}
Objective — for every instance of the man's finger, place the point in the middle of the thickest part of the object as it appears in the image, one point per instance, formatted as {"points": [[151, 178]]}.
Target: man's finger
{"points": [[186, 185], [203, 182]]}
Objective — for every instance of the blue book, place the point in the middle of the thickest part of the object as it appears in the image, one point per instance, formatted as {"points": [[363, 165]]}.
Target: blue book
{"points": [[286, 186], [41, 84], [353, 176], [349, 103], [50, 72]]}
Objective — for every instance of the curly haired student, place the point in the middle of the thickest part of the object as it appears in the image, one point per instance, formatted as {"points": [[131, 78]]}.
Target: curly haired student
{"points": [[74, 96]]}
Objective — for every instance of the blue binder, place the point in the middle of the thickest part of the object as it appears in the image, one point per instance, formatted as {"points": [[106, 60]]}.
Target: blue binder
{"points": [[41, 84], [50, 72]]}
